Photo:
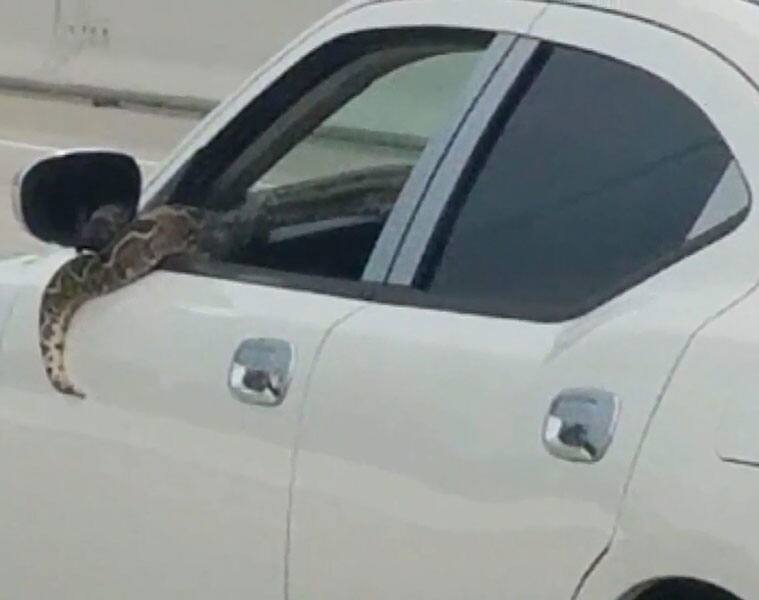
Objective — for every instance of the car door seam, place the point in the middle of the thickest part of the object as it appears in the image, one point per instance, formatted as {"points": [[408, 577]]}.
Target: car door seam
{"points": [[649, 424], [591, 568], [692, 338], [295, 451]]}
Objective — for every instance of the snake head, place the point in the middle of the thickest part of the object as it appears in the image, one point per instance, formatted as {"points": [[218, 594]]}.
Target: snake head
{"points": [[101, 228]]}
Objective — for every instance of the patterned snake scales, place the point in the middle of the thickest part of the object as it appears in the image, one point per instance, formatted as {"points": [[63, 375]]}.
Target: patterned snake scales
{"points": [[136, 248]]}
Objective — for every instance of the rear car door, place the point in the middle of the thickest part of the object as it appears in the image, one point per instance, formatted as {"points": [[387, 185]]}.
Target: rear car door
{"points": [[172, 478], [472, 433]]}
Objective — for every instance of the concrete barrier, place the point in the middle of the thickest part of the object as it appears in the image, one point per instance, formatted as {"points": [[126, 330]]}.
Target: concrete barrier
{"points": [[191, 52], [26, 38]]}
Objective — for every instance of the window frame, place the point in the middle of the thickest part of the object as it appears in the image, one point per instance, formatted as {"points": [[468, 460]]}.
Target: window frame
{"points": [[378, 266], [457, 166]]}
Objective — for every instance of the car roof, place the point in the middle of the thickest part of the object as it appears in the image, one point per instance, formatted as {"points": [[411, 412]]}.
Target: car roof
{"points": [[728, 27], [621, 6]]}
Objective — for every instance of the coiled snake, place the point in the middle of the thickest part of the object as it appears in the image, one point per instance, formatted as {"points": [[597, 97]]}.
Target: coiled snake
{"points": [[139, 248]]}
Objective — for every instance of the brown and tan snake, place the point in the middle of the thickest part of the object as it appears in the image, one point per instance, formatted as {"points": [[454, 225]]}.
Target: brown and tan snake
{"points": [[138, 247]]}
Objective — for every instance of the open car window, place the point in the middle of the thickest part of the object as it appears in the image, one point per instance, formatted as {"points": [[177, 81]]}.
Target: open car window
{"points": [[327, 149]]}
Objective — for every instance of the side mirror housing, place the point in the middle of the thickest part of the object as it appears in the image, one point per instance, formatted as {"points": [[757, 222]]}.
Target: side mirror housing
{"points": [[54, 197]]}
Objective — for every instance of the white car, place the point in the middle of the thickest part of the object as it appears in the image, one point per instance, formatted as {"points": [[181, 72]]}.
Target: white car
{"points": [[533, 380]]}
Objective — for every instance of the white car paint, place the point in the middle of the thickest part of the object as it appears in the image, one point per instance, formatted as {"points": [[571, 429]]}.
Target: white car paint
{"points": [[160, 485], [466, 479], [407, 461]]}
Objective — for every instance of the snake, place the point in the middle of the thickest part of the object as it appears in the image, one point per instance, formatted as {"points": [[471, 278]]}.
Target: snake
{"points": [[138, 248], [115, 251]]}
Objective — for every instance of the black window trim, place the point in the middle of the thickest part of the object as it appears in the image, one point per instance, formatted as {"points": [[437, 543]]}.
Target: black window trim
{"points": [[261, 276], [402, 295], [443, 191]]}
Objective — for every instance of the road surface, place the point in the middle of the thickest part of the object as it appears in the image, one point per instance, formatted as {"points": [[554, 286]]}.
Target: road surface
{"points": [[32, 126]]}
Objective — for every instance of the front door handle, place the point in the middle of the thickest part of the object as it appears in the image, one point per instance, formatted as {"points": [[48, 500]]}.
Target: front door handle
{"points": [[580, 425], [261, 371]]}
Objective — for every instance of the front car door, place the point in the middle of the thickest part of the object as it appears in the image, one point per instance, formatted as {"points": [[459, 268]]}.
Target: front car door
{"points": [[169, 480], [161, 483], [592, 215]]}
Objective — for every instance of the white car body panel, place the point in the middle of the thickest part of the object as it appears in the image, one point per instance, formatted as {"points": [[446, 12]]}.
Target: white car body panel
{"points": [[692, 502], [414, 493], [451, 524], [686, 511], [160, 484]]}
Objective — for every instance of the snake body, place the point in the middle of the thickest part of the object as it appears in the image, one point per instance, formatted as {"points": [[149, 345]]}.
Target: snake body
{"points": [[116, 251], [137, 249]]}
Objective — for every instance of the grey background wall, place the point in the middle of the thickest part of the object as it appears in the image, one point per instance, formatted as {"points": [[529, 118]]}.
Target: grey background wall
{"points": [[192, 53], [187, 53], [184, 48]]}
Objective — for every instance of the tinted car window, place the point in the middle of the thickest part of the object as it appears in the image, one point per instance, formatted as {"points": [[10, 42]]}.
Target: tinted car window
{"points": [[596, 176]]}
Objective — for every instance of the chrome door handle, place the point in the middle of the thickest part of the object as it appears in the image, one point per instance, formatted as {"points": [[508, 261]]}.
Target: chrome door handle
{"points": [[261, 371], [580, 425]]}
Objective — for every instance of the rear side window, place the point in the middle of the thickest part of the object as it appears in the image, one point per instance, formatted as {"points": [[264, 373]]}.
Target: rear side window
{"points": [[594, 176]]}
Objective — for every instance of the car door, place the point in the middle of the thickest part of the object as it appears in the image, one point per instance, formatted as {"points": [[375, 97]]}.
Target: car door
{"points": [[471, 434], [172, 478], [162, 483]]}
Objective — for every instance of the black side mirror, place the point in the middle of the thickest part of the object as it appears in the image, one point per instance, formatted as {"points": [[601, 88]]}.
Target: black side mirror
{"points": [[54, 197]]}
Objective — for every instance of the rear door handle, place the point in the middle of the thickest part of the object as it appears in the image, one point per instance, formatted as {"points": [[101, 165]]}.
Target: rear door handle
{"points": [[261, 371], [580, 425]]}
